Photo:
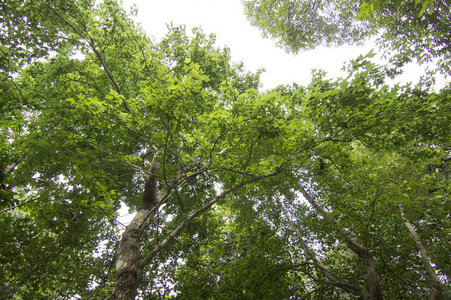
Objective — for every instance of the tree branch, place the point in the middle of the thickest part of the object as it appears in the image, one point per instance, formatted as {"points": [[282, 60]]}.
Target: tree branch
{"points": [[350, 242], [165, 192], [436, 291], [91, 44], [18, 205]]}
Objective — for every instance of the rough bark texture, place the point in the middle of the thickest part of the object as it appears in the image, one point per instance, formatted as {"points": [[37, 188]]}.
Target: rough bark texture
{"points": [[129, 261], [372, 276], [129, 265]]}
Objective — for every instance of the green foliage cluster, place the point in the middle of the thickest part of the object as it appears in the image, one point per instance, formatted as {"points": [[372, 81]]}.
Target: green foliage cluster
{"points": [[305, 25]]}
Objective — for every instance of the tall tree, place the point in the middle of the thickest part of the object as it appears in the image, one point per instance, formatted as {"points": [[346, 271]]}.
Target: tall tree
{"points": [[354, 242]]}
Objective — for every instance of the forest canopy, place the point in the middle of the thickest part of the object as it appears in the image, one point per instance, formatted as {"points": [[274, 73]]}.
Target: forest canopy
{"points": [[339, 189]]}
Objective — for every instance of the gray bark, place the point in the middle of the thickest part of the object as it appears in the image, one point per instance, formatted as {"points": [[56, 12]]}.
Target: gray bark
{"points": [[129, 265]]}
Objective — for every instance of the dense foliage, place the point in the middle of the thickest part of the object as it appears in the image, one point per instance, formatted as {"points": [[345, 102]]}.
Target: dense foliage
{"points": [[335, 190]]}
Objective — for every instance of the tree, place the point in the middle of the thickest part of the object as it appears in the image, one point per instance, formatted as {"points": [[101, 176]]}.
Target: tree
{"points": [[84, 148], [366, 207], [104, 116]]}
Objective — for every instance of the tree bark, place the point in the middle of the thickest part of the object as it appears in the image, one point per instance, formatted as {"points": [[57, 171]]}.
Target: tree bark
{"points": [[436, 288], [332, 278], [372, 276], [128, 258], [9, 168]]}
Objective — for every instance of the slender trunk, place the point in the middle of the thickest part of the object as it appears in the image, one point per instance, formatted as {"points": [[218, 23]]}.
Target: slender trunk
{"points": [[372, 276], [436, 288], [332, 278]]}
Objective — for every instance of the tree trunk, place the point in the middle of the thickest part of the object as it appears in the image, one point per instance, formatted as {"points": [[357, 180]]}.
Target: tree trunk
{"points": [[372, 275], [128, 260], [436, 289], [129, 265]]}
